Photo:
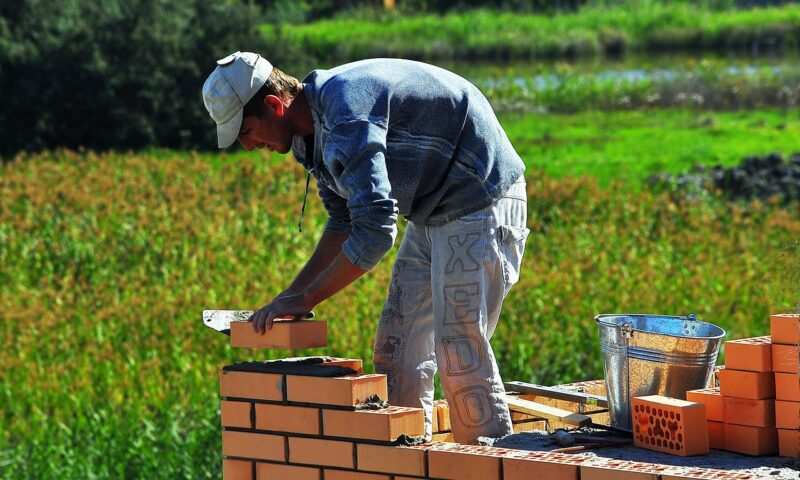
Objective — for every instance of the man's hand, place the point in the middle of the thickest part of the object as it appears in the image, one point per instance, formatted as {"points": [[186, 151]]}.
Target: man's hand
{"points": [[286, 305]]}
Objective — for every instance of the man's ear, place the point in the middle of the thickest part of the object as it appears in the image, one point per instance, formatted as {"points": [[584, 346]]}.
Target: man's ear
{"points": [[275, 104]]}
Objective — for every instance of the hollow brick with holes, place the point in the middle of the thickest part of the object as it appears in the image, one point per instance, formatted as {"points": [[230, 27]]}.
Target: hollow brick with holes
{"points": [[785, 358], [349, 390], [317, 451], [744, 384], [746, 411], [785, 328], [233, 469], [753, 354], [787, 387], [787, 415], [453, 461], [382, 425], [349, 475], [283, 334], [285, 418], [755, 441], [391, 459], [253, 385], [716, 435], [236, 414], [610, 469], [712, 399], [276, 471], [520, 465], [257, 446], [670, 425], [789, 443]]}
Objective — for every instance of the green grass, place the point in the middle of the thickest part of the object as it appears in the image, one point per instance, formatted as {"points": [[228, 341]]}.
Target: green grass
{"points": [[632, 145], [106, 262], [627, 26]]}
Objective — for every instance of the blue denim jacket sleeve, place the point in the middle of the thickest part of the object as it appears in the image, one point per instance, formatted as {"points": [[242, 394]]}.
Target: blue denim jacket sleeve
{"points": [[338, 214], [355, 153]]}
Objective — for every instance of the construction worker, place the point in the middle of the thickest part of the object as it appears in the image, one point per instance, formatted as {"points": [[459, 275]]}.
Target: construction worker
{"points": [[385, 137]]}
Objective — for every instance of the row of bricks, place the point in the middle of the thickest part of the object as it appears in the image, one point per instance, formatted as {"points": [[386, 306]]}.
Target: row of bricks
{"points": [[346, 391], [759, 354], [759, 385], [311, 459], [743, 411], [386, 424]]}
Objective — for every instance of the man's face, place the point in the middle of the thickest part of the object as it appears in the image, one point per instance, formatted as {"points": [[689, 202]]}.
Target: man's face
{"points": [[269, 130]]}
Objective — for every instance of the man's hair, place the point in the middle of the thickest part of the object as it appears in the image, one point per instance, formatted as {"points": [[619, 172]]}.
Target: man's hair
{"points": [[279, 84]]}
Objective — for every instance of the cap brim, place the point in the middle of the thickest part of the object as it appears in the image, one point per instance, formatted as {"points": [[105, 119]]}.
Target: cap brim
{"points": [[228, 132]]}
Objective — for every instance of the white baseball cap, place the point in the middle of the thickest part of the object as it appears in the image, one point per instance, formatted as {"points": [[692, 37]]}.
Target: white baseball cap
{"points": [[228, 89]]}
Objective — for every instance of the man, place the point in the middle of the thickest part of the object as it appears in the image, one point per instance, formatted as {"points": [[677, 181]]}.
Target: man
{"points": [[384, 137]]}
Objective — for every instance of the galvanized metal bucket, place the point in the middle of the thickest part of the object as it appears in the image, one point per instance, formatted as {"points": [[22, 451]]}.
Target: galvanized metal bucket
{"points": [[649, 354]]}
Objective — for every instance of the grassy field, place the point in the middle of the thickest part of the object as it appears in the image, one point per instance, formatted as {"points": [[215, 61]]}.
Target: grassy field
{"points": [[613, 29], [106, 262]]}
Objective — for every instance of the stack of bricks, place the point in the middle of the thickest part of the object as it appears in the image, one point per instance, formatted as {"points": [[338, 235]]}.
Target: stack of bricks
{"points": [[785, 330], [741, 412]]}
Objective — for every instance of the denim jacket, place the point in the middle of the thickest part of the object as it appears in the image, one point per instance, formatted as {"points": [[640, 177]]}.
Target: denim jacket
{"points": [[397, 136]]}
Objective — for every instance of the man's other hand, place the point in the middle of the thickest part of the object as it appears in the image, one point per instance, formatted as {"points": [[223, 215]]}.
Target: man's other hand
{"points": [[284, 306]]}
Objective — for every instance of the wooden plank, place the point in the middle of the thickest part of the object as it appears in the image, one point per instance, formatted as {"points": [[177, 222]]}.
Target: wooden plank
{"points": [[551, 413], [558, 393]]}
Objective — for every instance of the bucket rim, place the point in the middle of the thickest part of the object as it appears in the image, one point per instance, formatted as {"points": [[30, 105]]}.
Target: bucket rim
{"points": [[601, 317]]}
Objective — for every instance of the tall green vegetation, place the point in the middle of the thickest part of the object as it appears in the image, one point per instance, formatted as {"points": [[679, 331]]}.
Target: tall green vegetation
{"points": [[106, 262], [114, 74]]}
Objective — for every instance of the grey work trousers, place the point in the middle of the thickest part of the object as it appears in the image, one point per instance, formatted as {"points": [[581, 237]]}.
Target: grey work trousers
{"points": [[444, 300]]}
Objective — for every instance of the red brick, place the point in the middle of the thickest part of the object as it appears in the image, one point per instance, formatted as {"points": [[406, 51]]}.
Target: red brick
{"points": [[691, 473], [253, 445], [349, 390], [237, 469], [277, 471], [452, 461], [787, 387], [386, 459], [785, 328], [751, 354], [787, 415], [259, 386], [785, 358], [347, 475], [283, 418], [236, 414], [716, 435], [745, 411], [316, 451], [609, 469], [385, 425], [670, 425], [743, 384], [283, 334], [443, 415], [526, 465], [751, 440], [711, 398], [789, 443]]}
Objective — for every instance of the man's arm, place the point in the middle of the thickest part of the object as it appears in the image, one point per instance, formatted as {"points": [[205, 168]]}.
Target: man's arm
{"points": [[328, 248]]}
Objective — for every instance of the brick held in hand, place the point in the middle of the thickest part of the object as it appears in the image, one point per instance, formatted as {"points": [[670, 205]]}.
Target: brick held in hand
{"points": [[756, 441], [381, 425], [785, 328], [752, 354], [744, 384], [670, 425], [347, 391], [292, 334], [712, 399]]}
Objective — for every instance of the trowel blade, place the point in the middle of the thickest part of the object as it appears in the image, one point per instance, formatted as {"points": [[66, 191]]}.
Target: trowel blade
{"points": [[220, 320]]}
